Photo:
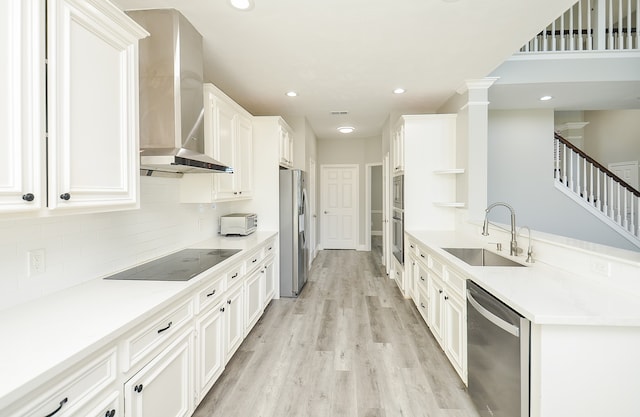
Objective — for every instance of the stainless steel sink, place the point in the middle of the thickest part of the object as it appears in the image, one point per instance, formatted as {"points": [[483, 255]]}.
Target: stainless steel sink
{"points": [[480, 257]]}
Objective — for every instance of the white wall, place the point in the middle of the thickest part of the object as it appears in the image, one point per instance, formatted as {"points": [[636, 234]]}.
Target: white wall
{"points": [[613, 135], [351, 151], [520, 173], [83, 247]]}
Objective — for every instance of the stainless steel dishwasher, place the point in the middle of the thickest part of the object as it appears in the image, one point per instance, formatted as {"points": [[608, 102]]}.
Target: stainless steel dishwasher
{"points": [[497, 355]]}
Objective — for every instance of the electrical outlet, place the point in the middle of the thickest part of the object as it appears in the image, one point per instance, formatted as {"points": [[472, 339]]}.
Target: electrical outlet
{"points": [[37, 262], [601, 267]]}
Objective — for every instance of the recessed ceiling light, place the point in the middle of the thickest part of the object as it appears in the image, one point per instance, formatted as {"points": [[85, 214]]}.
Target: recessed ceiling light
{"points": [[242, 4], [346, 129], [399, 91], [292, 94], [545, 98]]}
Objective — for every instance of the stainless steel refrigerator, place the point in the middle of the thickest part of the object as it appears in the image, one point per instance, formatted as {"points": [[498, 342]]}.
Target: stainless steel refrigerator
{"points": [[293, 239]]}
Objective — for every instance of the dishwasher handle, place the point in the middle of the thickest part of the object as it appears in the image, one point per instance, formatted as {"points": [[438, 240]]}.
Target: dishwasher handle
{"points": [[507, 327]]}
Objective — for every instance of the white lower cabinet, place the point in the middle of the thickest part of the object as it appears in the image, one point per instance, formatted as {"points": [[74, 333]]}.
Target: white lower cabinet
{"points": [[210, 348], [164, 387], [269, 280], [234, 321], [439, 293], [253, 301]]}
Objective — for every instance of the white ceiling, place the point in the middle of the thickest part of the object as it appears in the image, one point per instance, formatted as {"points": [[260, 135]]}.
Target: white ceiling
{"points": [[348, 55]]}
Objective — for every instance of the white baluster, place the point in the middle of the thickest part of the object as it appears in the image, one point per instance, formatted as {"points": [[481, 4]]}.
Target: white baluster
{"points": [[591, 199], [619, 210], [563, 43], [611, 201], [580, 38], [638, 31], [605, 204], [620, 26], [553, 35], [589, 27], [571, 34], [629, 26], [598, 195], [585, 192], [572, 173], [625, 219], [564, 165], [610, 25]]}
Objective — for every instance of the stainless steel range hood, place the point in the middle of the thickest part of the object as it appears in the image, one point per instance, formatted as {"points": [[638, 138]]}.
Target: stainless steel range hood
{"points": [[171, 95]]}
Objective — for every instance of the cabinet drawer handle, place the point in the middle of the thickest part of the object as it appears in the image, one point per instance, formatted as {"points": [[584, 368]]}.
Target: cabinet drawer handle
{"points": [[110, 413], [254, 261], [222, 309], [234, 275], [421, 278], [166, 328], [270, 247], [422, 256], [422, 305], [28, 197], [63, 402], [229, 302], [65, 196], [439, 291], [412, 246], [211, 293]]}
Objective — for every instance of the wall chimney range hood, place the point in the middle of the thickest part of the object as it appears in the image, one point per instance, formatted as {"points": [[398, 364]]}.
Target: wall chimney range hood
{"points": [[171, 96]]}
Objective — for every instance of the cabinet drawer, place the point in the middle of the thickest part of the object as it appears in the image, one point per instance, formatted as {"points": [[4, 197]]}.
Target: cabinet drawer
{"points": [[457, 282], [211, 293], [422, 278], [152, 335], [108, 406], [253, 261], [269, 248], [75, 391], [234, 275], [423, 303]]}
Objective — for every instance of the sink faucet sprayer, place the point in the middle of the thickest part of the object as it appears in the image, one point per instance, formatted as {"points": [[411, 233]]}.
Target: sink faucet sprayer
{"points": [[513, 251]]}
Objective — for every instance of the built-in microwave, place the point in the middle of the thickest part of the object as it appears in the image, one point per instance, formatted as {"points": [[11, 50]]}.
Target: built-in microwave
{"points": [[398, 192]]}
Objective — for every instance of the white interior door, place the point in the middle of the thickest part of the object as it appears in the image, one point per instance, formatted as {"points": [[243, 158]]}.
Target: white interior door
{"points": [[339, 206], [627, 171]]}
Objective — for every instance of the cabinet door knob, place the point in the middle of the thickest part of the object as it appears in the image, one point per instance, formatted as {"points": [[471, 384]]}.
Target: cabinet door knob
{"points": [[440, 291], [222, 309], [65, 196], [110, 413], [229, 302], [28, 197], [446, 297], [138, 388]]}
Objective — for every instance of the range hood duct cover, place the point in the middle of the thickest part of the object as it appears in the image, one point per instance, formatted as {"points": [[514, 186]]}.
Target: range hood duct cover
{"points": [[171, 95]]}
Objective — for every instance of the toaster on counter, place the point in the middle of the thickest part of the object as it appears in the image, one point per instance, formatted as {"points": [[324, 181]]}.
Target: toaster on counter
{"points": [[238, 224]]}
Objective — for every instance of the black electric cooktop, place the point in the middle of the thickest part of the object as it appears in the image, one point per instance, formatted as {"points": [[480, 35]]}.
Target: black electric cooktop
{"points": [[179, 266]]}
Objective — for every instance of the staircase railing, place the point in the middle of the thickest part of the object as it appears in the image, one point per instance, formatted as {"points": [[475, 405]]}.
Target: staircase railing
{"points": [[594, 185], [591, 25]]}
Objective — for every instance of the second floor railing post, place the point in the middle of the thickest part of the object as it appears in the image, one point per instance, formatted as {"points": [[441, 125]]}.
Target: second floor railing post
{"points": [[599, 25]]}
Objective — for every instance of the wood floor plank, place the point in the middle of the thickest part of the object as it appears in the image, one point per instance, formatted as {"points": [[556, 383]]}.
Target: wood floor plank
{"points": [[349, 345]]}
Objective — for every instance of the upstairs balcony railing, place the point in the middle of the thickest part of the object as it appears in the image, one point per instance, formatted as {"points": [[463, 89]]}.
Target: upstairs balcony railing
{"points": [[591, 25]]}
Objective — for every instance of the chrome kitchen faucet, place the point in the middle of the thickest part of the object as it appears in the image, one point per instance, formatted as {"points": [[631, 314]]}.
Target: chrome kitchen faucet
{"points": [[485, 226]]}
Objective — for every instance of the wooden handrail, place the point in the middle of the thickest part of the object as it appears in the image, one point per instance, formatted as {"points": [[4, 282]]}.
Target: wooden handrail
{"points": [[596, 164]]}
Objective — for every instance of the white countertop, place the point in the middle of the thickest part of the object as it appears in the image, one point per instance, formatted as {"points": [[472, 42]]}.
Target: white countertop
{"points": [[541, 293], [44, 336]]}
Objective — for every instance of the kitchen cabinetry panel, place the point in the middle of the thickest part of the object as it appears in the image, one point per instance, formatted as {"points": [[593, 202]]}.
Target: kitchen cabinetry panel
{"points": [[269, 280], [234, 321], [210, 354], [92, 153], [254, 303], [163, 388], [228, 139], [456, 334], [286, 146], [21, 106]]}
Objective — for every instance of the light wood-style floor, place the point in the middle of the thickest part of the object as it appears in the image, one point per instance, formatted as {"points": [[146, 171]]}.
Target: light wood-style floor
{"points": [[350, 345]]}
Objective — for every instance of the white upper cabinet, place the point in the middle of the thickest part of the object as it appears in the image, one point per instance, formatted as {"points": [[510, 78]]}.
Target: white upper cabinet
{"points": [[91, 142], [229, 139], [92, 106], [21, 105], [286, 146]]}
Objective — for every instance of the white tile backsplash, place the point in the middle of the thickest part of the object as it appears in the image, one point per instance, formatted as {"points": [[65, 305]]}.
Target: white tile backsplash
{"points": [[83, 247]]}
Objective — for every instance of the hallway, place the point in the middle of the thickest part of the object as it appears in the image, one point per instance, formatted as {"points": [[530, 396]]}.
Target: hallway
{"points": [[350, 345]]}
